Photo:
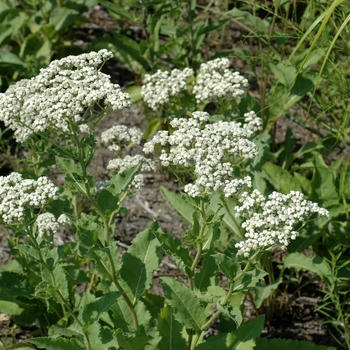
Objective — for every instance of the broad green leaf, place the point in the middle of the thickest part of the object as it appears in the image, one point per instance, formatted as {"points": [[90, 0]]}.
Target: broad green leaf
{"points": [[63, 18], [187, 308], [10, 308], [288, 344], [88, 230], [323, 182], [176, 201], [5, 33], [304, 183], [10, 59], [74, 173], [244, 338], [170, 331], [262, 292], [118, 10], [202, 280], [173, 246], [281, 179], [227, 266], [233, 312], [57, 343], [93, 310], [120, 183], [249, 280], [132, 341], [139, 263], [316, 264]]}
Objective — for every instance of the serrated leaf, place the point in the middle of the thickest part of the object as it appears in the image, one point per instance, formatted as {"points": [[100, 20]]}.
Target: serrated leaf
{"points": [[233, 312], [132, 341], [244, 338], [187, 308], [56, 343], [249, 280], [288, 344], [208, 270], [93, 310], [172, 246], [170, 331], [227, 266], [316, 264], [183, 209], [139, 263]]}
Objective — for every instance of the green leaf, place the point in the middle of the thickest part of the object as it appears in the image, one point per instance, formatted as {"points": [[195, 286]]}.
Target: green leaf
{"points": [[56, 343], [93, 310], [316, 264], [227, 266], [173, 246], [120, 183], [288, 344], [139, 263], [323, 181], [177, 202], [187, 308], [170, 331], [63, 18], [132, 341], [233, 312], [249, 280], [281, 179], [10, 59], [244, 338], [120, 11], [202, 280], [74, 173], [262, 292]]}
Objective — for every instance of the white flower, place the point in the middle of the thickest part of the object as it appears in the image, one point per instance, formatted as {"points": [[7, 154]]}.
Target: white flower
{"points": [[16, 194], [159, 87], [118, 134], [63, 91], [216, 80], [210, 150], [270, 222], [47, 224]]}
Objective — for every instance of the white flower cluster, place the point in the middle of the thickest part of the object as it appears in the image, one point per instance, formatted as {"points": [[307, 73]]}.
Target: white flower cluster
{"points": [[118, 134], [211, 149], [270, 222], [64, 90], [47, 223], [17, 193], [158, 87], [216, 80]]}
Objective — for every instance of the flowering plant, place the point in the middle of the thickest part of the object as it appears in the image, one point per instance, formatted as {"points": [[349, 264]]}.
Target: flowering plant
{"points": [[81, 292]]}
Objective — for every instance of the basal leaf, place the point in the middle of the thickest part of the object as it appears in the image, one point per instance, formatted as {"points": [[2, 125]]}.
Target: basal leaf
{"points": [[187, 309], [57, 343], [170, 331], [184, 210], [173, 246], [288, 344], [93, 310], [140, 261]]}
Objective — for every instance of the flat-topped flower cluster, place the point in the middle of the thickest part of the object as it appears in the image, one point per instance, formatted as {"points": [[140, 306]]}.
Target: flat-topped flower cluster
{"points": [[211, 150], [271, 222], [16, 194], [215, 80], [63, 91]]}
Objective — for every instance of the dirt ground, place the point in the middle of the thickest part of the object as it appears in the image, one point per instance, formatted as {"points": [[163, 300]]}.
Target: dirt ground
{"points": [[299, 321]]}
